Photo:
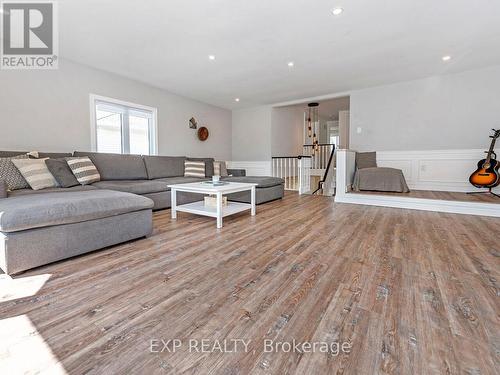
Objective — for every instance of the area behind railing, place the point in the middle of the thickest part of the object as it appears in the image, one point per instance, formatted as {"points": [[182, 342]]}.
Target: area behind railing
{"points": [[319, 156], [294, 170], [297, 170]]}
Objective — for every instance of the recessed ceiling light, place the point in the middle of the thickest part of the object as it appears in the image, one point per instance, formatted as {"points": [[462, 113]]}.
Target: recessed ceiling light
{"points": [[237, 99], [446, 58], [337, 11], [211, 57], [291, 64]]}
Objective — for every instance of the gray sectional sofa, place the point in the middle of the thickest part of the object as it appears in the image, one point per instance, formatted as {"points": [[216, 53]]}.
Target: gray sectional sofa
{"points": [[43, 226]]}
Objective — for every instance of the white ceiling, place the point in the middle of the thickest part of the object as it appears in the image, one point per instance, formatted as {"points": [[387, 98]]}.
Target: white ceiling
{"points": [[327, 109], [166, 43]]}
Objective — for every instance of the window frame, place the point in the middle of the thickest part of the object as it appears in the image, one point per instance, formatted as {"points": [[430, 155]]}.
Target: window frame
{"points": [[153, 129]]}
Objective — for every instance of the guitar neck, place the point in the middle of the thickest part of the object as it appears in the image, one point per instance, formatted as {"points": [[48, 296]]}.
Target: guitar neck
{"points": [[490, 151]]}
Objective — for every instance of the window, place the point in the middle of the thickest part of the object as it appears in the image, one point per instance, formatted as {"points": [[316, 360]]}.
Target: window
{"points": [[121, 127]]}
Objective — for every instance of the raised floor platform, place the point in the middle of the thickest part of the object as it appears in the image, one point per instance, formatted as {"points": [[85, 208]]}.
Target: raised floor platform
{"points": [[438, 201], [441, 195]]}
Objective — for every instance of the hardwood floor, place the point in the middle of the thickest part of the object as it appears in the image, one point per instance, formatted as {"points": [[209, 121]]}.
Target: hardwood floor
{"points": [[441, 195], [410, 292]]}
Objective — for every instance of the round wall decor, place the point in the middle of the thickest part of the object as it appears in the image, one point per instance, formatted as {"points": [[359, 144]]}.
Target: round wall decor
{"points": [[203, 133]]}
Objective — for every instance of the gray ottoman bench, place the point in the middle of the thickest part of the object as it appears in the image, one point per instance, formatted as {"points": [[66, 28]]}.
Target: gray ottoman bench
{"points": [[38, 229]]}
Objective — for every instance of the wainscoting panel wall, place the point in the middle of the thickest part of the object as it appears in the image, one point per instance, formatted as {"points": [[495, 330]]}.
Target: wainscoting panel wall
{"points": [[253, 168], [441, 170]]}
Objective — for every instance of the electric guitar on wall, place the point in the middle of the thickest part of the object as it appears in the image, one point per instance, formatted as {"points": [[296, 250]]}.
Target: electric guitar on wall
{"points": [[487, 174]]}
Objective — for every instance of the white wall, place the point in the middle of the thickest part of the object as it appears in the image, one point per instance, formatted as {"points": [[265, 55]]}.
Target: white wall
{"points": [[437, 113], [287, 127], [49, 111], [251, 134]]}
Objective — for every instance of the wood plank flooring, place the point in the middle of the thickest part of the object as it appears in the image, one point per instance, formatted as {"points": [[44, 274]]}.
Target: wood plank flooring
{"points": [[441, 195], [410, 292]]}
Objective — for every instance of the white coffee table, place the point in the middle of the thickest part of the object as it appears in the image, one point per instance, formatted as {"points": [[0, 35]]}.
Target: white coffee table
{"points": [[199, 208]]}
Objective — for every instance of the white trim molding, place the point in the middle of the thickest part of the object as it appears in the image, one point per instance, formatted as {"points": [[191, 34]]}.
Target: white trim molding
{"points": [[253, 168], [438, 170], [436, 205]]}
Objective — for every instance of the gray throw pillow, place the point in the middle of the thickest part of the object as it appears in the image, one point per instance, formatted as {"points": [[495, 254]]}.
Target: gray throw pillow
{"points": [[3, 189], [366, 160], [11, 175], [62, 172]]}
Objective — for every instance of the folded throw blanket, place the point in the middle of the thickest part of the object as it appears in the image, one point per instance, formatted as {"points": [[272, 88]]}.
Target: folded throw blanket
{"points": [[380, 179]]}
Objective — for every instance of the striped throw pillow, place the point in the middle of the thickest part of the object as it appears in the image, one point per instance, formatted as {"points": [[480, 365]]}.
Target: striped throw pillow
{"points": [[84, 170], [220, 168], [194, 169], [36, 173]]}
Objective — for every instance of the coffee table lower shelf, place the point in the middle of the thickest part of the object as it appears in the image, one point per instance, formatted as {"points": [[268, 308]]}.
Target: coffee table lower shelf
{"points": [[199, 208]]}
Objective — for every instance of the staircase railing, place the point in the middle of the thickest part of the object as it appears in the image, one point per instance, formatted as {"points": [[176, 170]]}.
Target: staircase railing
{"points": [[295, 170], [319, 157], [325, 175]]}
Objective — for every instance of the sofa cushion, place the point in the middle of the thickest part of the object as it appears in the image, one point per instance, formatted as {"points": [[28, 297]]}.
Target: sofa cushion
{"points": [[43, 155], [181, 180], [11, 175], [117, 166], [261, 181], [62, 172], [164, 166], [16, 193], [133, 186], [43, 210], [36, 173], [54, 155], [209, 165]]}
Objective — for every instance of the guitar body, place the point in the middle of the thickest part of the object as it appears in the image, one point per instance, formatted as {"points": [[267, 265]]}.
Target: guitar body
{"points": [[486, 175]]}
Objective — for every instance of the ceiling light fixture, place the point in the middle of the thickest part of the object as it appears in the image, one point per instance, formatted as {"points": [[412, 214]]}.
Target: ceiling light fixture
{"points": [[291, 64], [337, 11], [237, 99], [446, 58], [211, 57]]}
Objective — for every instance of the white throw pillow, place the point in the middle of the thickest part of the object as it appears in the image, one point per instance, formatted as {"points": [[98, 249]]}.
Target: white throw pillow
{"points": [[36, 173]]}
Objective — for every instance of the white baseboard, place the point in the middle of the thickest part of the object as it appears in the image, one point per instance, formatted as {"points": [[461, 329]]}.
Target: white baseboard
{"points": [[466, 208], [253, 168], [438, 170]]}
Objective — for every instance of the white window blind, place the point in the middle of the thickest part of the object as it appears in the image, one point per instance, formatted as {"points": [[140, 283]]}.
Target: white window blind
{"points": [[124, 129]]}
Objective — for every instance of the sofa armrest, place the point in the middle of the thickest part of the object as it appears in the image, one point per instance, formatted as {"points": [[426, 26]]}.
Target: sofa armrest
{"points": [[237, 172]]}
